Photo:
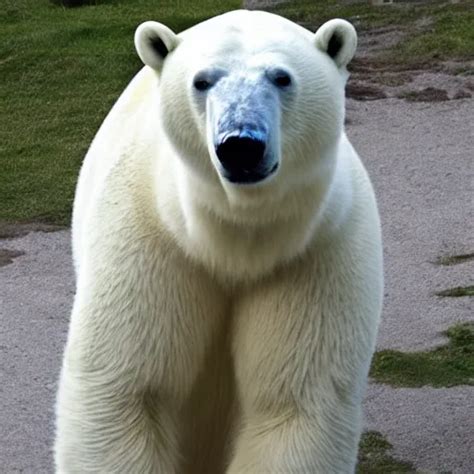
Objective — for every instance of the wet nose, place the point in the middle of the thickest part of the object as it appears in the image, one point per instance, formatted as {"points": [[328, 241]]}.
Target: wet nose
{"points": [[241, 154]]}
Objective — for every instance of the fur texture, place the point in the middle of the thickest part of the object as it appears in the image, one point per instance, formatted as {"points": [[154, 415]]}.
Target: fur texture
{"points": [[219, 326]]}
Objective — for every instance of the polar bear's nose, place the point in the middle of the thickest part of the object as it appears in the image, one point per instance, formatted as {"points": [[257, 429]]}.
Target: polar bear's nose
{"points": [[241, 157]]}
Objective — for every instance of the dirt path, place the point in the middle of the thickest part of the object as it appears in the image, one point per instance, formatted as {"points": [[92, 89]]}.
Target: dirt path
{"points": [[36, 293]]}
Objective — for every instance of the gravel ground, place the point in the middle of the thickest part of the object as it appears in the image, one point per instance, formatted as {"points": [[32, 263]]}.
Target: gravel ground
{"points": [[430, 427], [36, 293], [420, 158], [417, 155]]}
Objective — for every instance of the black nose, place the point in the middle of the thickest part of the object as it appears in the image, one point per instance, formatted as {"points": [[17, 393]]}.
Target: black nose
{"points": [[241, 155]]}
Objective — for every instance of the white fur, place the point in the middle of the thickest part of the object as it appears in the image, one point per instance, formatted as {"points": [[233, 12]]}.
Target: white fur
{"points": [[220, 327]]}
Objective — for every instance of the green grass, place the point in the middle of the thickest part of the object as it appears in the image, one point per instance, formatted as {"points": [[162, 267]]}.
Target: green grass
{"points": [[451, 35], [61, 70], [449, 260], [434, 31], [446, 366], [457, 291], [375, 458], [312, 14]]}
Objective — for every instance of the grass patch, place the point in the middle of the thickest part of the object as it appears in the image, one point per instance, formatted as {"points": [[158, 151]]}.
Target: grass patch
{"points": [[434, 30], [455, 259], [62, 69], [446, 366], [450, 36], [363, 15], [457, 291], [374, 456]]}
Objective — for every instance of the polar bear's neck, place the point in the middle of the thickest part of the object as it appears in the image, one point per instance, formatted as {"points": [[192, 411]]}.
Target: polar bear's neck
{"points": [[239, 239]]}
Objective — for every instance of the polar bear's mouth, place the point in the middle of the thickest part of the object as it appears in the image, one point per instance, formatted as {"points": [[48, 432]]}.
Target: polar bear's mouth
{"points": [[245, 159]]}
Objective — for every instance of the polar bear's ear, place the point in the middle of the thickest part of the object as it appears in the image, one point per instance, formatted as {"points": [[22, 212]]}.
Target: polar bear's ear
{"points": [[338, 39], [153, 42]]}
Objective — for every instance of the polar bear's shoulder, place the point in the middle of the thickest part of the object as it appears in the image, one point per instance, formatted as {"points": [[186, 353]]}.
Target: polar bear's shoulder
{"points": [[120, 128], [120, 136]]}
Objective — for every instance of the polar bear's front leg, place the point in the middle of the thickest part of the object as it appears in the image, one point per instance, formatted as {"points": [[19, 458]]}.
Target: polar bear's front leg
{"points": [[302, 348], [140, 328], [100, 429]]}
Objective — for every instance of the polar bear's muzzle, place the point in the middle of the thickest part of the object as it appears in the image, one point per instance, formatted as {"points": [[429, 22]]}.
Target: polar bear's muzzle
{"points": [[243, 128], [244, 158]]}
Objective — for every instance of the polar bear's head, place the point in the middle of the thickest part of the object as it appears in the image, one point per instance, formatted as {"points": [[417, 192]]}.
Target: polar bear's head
{"points": [[250, 95]]}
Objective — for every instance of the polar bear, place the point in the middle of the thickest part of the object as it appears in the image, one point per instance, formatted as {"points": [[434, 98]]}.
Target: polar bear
{"points": [[228, 255]]}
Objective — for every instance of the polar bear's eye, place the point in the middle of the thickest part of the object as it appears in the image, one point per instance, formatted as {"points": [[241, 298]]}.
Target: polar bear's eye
{"points": [[202, 84], [207, 78], [282, 79]]}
